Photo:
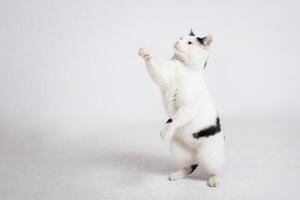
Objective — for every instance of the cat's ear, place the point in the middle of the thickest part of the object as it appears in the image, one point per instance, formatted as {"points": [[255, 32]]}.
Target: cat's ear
{"points": [[206, 41], [191, 33]]}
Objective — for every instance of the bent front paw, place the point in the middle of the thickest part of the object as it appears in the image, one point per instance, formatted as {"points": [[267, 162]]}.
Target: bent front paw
{"points": [[144, 53], [166, 131]]}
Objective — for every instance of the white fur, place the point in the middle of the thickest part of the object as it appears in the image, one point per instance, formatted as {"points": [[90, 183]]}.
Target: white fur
{"points": [[192, 108]]}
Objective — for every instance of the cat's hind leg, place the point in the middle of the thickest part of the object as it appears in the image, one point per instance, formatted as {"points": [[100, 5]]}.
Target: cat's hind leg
{"points": [[211, 157], [184, 156]]}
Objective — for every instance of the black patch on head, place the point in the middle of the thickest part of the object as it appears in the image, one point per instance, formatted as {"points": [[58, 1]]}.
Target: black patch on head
{"points": [[169, 121], [193, 167], [192, 33], [209, 131], [200, 40]]}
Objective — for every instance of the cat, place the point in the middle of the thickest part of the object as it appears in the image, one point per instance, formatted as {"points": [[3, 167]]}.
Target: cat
{"points": [[193, 124]]}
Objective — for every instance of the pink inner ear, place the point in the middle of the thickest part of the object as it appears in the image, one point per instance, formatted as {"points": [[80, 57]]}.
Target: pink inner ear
{"points": [[208, 40]]}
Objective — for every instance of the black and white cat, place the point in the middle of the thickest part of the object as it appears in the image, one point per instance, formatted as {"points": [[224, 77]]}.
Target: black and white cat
{"points": [[197, 139]]}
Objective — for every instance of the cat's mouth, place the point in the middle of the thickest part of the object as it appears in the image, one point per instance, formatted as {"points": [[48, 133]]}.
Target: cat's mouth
{"points": [[178, 49]]}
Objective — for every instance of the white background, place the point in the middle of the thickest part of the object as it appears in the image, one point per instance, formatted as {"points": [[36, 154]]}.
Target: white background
{"points": [[80, 117]]}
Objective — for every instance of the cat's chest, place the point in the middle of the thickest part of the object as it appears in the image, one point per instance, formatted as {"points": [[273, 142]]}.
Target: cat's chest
{"points": [[182, 91], [175, 93], [173, 97]]}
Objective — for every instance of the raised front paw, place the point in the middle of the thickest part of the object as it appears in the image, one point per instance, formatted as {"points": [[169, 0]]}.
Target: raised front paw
{"points": [[144, 53], [166, 131]]}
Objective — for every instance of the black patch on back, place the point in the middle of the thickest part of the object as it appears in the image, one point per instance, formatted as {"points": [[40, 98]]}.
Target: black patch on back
{"points": [[200, 40], [209, 131], [169, 121]]}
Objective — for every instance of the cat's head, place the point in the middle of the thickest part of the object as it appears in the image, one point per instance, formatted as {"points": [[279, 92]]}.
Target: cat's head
{"points": [[193, 50]]}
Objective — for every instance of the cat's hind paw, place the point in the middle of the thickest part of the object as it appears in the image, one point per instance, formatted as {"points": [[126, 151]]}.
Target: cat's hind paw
{"points": [[177, 175], [213, 181]]}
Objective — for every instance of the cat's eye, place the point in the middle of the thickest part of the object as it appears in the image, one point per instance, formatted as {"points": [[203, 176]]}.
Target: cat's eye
{"points": [[189, 43]]}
